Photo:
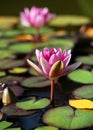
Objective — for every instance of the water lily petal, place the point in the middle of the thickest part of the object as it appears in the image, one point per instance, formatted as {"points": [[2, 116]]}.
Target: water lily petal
{"points": [[35, 67], [56, 70], [71, 68], [45, 66]]}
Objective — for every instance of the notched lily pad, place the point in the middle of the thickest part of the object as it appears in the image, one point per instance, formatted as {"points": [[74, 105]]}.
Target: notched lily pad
{"points": [[35, 82], [5, 124], [81, 76], [86, 59], [13, 110], [9, 63], [32, 103], [46, 128], [68, 118], [84, 92]]}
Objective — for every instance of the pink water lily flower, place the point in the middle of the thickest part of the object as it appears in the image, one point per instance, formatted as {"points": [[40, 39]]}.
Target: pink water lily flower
{"points": [[53, 63], [35, 16]]}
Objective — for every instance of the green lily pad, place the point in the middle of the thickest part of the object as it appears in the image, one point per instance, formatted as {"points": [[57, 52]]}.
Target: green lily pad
{"points": [[32, 103], [10, 33], [81, 76], [46, 128], [5, 124], [66, 20], [84, 92], [2, 73], [9, 78], [86, 59], [12, 110], [13, 129], [18, 70], [22, 47], [6, 54], [58, 43], [9, 63], [68, 118], [42, 30], [35, 82]]}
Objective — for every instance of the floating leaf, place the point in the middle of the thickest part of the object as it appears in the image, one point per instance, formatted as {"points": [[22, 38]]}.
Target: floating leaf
{"points": [[30, 104], [46, 128], [18, 70], [81, 103], [26, 47], [9, 78], [86, 59], [82, 76], [66, 20], [68, 118], [5, 124], [6, 54], [9, 63], [12, 110], [57, 43], [13, 128], [10, 33], [2, 73], [84, 92], [35, 82]]}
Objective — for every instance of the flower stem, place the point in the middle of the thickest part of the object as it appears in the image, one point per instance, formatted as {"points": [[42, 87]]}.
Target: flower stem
{"points": [[52, 90], [37, 36]]}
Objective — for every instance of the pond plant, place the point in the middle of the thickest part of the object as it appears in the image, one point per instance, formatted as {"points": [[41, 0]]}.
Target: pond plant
{"points": [[44, 91]]}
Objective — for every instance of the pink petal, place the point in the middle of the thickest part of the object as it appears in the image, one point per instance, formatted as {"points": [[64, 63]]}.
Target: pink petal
{"points": [[35, 67], [66, 60], [38, 55], [71, 68], [45, 66], [53, 59]]}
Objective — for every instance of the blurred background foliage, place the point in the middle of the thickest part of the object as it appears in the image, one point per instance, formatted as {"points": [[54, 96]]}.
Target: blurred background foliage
{"points": [[80, 7]]}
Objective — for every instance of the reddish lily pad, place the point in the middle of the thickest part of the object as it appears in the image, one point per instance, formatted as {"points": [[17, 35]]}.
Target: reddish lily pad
{"points": [[9, 63], [35, 82], [81, 76], [68, 118], [46, 128], [32, 104], [5, 124], [84, 92]]}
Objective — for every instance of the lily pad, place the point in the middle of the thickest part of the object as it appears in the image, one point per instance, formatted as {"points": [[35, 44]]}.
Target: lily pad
{"points": [[2, 73], [35, 82], [30, 104], [18, 70], [13, 128], [68, 118], [84, 92], [26, 47], [1, 116], [86, 59], [58, 43], [66, 20], [10, 33], [5, 53], [46, 128], [9, 63], [42, 30], [9, 79], [5, 124], [12, 110], [81, 76]]}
